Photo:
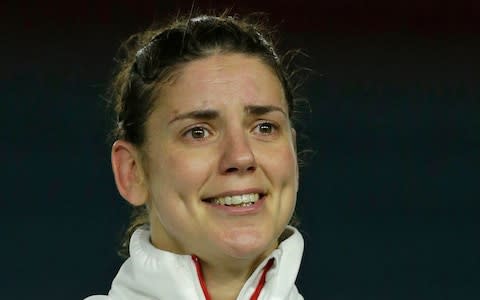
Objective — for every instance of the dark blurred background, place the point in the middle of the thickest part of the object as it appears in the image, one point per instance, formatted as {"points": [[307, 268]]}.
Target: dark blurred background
{"points": [[389, 203]]}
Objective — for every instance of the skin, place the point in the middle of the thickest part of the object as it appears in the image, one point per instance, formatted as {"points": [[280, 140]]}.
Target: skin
{"points": [[220, 127]]}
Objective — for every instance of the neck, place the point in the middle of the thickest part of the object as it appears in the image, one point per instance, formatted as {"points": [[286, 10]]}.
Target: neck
{"points": [[224, 281]]}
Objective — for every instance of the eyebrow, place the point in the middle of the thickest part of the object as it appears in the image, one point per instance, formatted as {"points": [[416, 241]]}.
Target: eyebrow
{"points": [[205, 114], [259, 110], [210, 114]]}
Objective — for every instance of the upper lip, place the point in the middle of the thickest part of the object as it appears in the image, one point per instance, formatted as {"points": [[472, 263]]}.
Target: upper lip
{"points": [[237, 192]]}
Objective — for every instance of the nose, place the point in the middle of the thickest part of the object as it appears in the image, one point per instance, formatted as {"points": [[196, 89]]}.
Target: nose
{"points": [[237, 156]]}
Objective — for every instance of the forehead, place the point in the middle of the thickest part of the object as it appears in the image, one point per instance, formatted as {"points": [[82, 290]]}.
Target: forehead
{"points": [[222, 79], [225, 66]]}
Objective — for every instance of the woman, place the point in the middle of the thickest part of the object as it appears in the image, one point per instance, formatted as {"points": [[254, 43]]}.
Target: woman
{"points": [[205, 150]]}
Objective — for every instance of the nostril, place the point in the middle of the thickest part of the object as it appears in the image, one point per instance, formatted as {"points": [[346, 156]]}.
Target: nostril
{"points": [[231, 170], [236, 170]]}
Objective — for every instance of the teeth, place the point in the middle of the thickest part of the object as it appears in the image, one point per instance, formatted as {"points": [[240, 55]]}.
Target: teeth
{"points": [[237, 200], [243, 200]]}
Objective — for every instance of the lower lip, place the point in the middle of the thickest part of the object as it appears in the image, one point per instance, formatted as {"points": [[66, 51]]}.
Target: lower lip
{"points": [[240, 210]]}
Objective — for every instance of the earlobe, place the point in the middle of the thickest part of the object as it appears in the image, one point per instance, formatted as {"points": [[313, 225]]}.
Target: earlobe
{"points": [[128, 172]]}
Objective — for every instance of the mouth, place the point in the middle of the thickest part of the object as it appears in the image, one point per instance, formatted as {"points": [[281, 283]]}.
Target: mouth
{"points": [[242, 200]]}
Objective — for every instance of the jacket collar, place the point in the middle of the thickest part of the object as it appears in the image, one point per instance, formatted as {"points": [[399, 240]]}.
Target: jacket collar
{"points": [[151, 273]]}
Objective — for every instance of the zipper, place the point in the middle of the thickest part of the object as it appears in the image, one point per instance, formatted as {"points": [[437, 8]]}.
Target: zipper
{"points": [[261, 283], [255, 294], [203, 284]]}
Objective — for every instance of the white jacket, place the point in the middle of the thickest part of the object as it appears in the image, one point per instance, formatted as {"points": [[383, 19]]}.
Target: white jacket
{"points": [[154, 274]]}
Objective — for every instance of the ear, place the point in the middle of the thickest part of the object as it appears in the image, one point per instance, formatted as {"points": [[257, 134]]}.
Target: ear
{"points": [[128, 173], [294, 139]]}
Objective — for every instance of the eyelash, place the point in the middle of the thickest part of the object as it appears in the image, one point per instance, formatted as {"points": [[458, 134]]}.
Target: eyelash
{"points": [[189, 133], [273, 128], [206, 132]]}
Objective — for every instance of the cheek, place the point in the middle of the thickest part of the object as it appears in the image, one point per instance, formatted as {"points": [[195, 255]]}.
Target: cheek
{"points": [[281, 164], [175, 185], [182, 172]]}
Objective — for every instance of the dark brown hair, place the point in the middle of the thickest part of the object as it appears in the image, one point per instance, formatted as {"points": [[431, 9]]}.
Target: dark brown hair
{"points": [[150, 58]]}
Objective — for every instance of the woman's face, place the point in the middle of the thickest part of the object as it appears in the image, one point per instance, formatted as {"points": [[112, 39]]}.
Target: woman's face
{"points": [[218, 135]]}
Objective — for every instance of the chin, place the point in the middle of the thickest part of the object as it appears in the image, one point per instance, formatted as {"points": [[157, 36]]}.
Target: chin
{"points": [[247, 244]]}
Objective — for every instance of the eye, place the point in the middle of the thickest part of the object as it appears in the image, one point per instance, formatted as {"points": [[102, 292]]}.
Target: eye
{"points": [[197, 133], [265, 128]]}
